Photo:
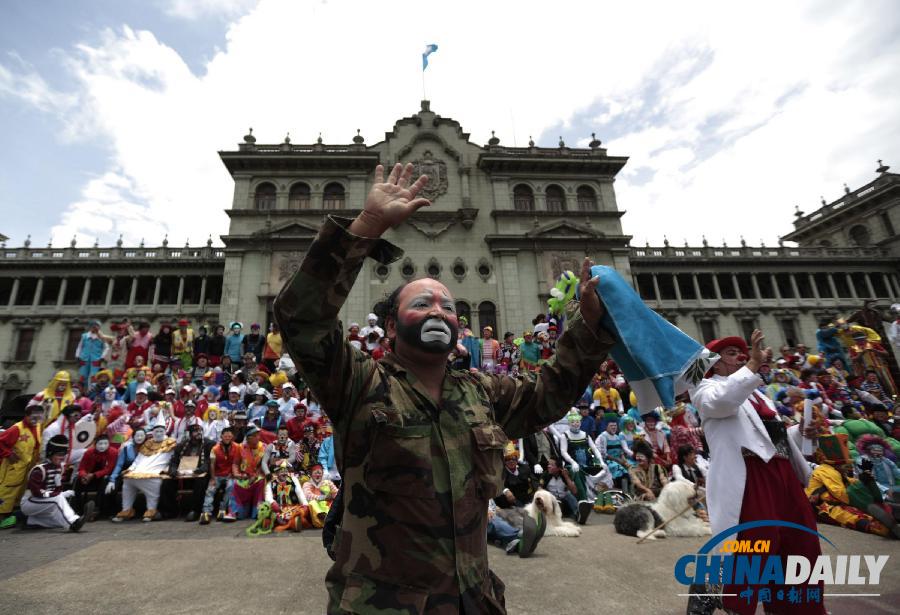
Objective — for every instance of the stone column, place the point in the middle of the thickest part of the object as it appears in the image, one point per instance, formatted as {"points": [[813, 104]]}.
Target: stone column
{"points": [[178, 301], [716, 288], [14, 293], [896, 285], [737, 287], [156, 291], [85, 292], [202, 291], [133, 295], [888, 286], [109, 291], [696, 284], [832, 286], [656, 288], [794, 286], [812, 283], [677, 289], [755, 284], [852, 287], [64, 285], [38, 290], [510, 291], [464, 184], [775, 288], [869, 285]]}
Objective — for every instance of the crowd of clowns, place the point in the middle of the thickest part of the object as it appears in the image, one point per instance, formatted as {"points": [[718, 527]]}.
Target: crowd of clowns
{"points": [[201, 425], [222, 426]]}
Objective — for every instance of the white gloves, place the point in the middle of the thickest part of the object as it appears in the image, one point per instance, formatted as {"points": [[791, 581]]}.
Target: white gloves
{"points": [[110, 487], [68, 494], [538, 470], [575, 467]]}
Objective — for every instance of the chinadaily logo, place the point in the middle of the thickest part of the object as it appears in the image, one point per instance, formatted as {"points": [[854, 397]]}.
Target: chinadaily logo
{"points": [[742, 566]]}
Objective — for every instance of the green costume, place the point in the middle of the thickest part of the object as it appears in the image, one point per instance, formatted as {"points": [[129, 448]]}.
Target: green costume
{"points": [[417, 474]]}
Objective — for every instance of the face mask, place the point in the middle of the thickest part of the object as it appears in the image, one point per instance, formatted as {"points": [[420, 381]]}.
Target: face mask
{"points": [[159, 435], [102, 446], [139, 437], [212, 416], [434, 335]]}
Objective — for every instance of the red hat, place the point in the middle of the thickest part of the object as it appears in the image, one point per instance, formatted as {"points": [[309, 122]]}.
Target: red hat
{"points": [[262, 369], [725, 342], [183, 322]]}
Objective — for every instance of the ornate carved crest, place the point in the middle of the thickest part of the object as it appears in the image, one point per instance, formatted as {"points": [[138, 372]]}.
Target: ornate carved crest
{"points": [[288, 265], [436, 170], [563, 261]]}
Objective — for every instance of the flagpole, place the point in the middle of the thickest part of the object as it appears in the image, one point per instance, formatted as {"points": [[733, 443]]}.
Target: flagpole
{"points": [[423, 85]]}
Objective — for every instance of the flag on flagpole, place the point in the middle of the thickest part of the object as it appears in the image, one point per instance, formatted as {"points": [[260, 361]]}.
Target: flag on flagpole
{"points": [[429, 49]]}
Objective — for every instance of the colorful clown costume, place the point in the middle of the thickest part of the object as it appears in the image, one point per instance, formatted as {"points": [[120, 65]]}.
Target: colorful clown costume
{"points": [[287, 501], [20, 447], [145, 475]]}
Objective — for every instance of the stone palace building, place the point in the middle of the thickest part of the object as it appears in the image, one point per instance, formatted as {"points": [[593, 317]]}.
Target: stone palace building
{"points": [[505, 221]]}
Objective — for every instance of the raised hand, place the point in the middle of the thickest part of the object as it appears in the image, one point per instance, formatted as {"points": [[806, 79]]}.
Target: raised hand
{"points": [[757, 354], [389, 202], [591, 307]]}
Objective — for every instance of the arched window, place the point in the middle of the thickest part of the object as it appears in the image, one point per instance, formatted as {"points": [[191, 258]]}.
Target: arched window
{"points": [[860, 236], [587, 199], [463, 309], [487, 317], [299, 197], [334, 196], [265, 196], [523, 198], [556, 199]]}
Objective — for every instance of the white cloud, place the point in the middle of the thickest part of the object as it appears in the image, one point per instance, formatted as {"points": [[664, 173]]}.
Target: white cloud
{"points": [[752, 109], [26, 84], [195, 9]]}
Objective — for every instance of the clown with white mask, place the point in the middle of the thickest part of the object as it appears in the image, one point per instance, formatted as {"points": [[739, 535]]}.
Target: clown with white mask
{"points": [[146, 474], [215, 423]]}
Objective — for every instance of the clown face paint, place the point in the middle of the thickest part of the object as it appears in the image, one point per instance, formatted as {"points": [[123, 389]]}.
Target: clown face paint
{"points": [[139, 437], [427, 321], [102, 446], [159, 434]]}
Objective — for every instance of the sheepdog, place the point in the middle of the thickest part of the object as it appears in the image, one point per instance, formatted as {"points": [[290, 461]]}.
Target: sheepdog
{"points": [[639, 519], [545, 502]]}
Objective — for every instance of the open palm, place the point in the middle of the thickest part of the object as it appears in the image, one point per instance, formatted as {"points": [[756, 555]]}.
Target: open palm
{"points": [[391, 202]]}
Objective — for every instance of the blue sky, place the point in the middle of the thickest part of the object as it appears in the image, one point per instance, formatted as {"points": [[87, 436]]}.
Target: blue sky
{"points": [[114, 110], [47, 172]]}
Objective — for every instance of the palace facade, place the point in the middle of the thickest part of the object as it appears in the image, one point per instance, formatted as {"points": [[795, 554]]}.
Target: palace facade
{"points": [[505, 221]]}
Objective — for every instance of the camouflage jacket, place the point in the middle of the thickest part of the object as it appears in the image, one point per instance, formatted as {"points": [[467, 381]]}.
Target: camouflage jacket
{"points": [[417, 475]]}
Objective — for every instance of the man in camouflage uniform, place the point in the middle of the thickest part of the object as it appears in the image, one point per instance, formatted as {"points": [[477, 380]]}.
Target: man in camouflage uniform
{"points": [[420, 447]]}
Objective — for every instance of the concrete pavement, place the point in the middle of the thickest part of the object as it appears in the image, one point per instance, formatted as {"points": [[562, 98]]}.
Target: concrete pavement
{"points": [[177, 567]]}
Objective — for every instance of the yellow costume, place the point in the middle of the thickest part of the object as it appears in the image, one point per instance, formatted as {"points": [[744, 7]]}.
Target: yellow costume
{"points": [[609, 399], [58, 399], [24, 443], [837, 499]]}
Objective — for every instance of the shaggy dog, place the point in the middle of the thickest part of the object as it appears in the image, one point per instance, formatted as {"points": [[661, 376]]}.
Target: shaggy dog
{"points": [[639, 519], [545, 502]]}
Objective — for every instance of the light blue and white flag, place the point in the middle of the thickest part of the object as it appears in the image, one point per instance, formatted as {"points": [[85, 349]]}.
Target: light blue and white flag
{"points": [[429, 49], [656, 357]]}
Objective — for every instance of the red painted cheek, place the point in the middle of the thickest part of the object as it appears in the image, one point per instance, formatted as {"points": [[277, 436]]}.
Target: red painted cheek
{"points": [[408, 317]]}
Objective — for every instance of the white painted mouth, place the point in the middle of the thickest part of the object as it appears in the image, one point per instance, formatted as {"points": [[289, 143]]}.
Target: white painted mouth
{"points": [[435, 330]]}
